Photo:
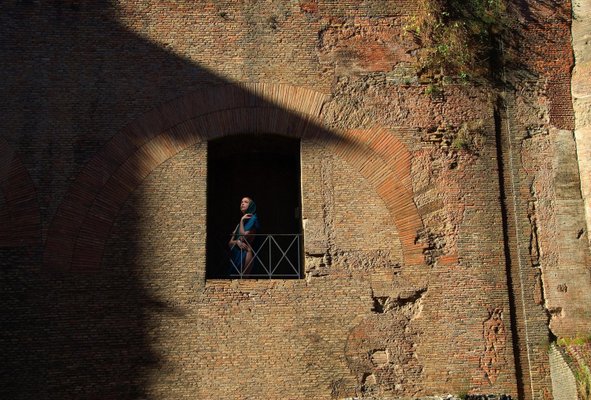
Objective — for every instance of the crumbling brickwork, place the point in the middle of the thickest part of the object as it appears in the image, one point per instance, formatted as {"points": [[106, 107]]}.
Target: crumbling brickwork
{"points": [[441, 231], [581, 89]]}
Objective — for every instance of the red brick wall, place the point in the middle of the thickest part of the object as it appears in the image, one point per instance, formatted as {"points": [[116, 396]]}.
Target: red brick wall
{"points": [[407, 289]]}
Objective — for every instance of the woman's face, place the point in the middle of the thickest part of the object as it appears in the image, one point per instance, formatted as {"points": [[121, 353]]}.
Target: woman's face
{"points": [[244, 204]]}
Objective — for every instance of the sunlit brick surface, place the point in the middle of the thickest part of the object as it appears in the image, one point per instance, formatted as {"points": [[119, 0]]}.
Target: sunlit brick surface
{"points": [[444, 238]]}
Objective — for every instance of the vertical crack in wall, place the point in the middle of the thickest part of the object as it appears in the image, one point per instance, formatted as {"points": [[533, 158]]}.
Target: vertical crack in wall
{"points": [[534, 253], [500, 125], [326, 174], [534, 246]]}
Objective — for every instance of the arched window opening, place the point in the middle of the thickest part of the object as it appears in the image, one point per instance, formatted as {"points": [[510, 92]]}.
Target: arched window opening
{"points": [[265, 168]]}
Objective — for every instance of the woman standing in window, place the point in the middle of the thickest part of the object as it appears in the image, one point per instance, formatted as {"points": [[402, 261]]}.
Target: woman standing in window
{"points": [[243, 237]]}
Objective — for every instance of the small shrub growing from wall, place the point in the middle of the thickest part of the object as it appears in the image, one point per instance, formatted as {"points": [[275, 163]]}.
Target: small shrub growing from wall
{"points": [[457, 37]]}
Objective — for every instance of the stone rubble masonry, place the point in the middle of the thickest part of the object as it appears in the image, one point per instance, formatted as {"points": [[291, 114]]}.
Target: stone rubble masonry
{"points": [[442, 234]]}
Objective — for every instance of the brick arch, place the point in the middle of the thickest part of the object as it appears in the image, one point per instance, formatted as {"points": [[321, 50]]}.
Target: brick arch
{"points": [[381, 158], [82, 224], [20, 218]]}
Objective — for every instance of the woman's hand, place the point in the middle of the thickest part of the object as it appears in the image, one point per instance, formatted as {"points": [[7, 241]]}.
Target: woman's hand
{"points": [[241, 229], [246, 216]]}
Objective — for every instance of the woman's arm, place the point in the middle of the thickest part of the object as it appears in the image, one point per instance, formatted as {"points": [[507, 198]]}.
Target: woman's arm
{"points": [[243, 233], [248, 238], [247, 234], [233, 242], [241, 227]]}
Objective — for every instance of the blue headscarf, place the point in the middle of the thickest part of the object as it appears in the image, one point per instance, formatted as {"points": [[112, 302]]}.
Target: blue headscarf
{"points": [[253, 221], [252, 207]]}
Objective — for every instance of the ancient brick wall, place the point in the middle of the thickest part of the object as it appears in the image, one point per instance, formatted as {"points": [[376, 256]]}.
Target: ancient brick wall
{"points": [[549, 258], [427, 262], [580, 91]]}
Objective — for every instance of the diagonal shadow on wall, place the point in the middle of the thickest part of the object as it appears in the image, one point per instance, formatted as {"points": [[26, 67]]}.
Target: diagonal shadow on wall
{"points": [[75, 76]]}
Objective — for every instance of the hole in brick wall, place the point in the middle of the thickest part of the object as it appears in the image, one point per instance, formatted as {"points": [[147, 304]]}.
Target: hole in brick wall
{"points": [[562, 288], [267, 169], [379, 304], [555, 311], [368, 384]]}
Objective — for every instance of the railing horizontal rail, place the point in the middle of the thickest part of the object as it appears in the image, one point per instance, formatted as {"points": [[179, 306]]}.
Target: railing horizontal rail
{"points": [[276, 255]]}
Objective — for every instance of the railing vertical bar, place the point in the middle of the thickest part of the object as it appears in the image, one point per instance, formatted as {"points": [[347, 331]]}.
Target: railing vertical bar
{"points": [[299, 260], [241, 264]]}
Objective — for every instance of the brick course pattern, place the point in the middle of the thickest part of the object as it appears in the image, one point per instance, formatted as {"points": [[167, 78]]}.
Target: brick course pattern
{"points": [[437, 240], [20, 224]]}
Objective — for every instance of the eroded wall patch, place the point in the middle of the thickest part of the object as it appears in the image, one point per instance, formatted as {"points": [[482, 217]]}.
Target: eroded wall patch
{"points": [[494, 333]]}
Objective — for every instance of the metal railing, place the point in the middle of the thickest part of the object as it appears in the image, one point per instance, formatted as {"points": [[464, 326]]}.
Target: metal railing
{"points": [[271, 256]]}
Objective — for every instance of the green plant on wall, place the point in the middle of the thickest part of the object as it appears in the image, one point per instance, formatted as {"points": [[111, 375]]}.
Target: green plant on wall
{"points": [[457, 36], [574, 341], [460, 143], [583, 378], [433, 90], [578, 352], [468, 137]]}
